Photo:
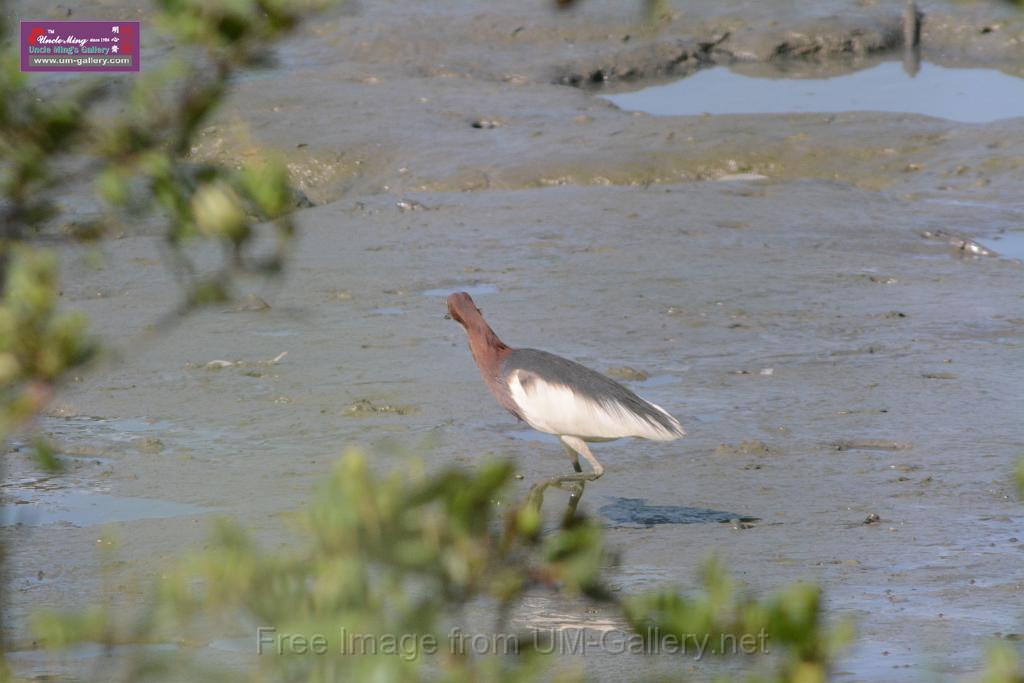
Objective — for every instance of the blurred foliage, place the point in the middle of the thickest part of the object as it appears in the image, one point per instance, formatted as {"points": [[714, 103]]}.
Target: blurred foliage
{"points": [[1002, 665], [139, 160], [723, 621], [130, 135], [654, 11], [404, 556], [374, 556], [1020, 477], [38, 344]]}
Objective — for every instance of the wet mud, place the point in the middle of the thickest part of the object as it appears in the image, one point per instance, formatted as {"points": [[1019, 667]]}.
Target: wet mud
{"points": [[799, 290]]}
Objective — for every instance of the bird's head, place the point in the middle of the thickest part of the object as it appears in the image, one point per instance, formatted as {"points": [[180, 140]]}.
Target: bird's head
{"points": [[461, 308], [482, 339]]}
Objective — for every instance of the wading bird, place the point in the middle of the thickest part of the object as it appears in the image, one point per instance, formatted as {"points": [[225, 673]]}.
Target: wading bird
{"points": [[557, 396]]}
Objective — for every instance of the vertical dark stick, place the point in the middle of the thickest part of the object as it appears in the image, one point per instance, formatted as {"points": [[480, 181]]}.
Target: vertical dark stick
{"points": [[912, 17]]}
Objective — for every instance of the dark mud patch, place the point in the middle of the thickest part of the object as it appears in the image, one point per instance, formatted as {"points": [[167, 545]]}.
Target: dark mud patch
{"points": [[871, 445], [637, 512], [367, 408], [658, 381], [938, 375], [807, 39], [759, 448], [624, 372]]}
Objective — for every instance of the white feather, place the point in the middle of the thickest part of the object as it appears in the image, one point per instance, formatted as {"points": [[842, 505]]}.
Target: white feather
{"points": [[557, 409]]}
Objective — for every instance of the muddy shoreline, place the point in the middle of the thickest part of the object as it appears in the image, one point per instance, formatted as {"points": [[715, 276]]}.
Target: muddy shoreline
{"points": [[617, 240]]}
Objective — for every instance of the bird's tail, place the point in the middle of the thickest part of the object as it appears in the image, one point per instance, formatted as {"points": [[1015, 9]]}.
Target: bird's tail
{"points": [[664, 426]]}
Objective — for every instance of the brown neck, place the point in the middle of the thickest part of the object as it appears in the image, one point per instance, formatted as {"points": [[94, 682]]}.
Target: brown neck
{"points": [[488, 351]]}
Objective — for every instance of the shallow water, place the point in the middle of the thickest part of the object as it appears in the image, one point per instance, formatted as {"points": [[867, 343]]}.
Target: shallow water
{"points": [[965, 95], [1007, 244], [90, 450], [475, 289], [537, 437], [83, 508], [389, 310], [86, 651], [657, 381]]}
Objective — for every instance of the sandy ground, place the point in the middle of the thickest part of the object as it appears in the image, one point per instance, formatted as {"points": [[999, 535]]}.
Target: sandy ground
{"points": [[828, 358]]}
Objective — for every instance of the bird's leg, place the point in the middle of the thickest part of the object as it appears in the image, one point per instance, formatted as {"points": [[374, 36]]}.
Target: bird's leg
{"points": [[573, 456], [535, 497], [573, 483], [579, 446]]}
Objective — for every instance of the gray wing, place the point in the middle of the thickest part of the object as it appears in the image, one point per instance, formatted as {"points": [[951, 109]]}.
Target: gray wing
{"points": [[587, 383]]}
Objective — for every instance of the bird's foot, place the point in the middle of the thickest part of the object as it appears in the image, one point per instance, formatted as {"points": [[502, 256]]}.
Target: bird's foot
{"points": [[579, 477]]}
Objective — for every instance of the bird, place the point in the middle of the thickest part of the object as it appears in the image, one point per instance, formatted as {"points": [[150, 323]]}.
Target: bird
{"points": [[558, 396]]}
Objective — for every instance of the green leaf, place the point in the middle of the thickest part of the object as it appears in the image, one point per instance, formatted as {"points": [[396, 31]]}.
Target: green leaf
{"points": [[267, 187], [1020, 477], [45, 455]]}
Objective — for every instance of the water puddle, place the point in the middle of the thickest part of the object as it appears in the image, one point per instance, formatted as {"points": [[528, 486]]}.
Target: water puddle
{"points": [[536, 437], [78, 496], [274, 333], [970, 203], [870, 659], [1008, 244], [35, 506], [636, 512], [658, 381], [84, 436], [243, 645], [118, 430], [388, 310], [68, 663], [472, 290], [562, 621], [965, 95]]}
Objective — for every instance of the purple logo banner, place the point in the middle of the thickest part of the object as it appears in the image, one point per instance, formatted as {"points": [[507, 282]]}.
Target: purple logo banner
{"points": [[58, 46]]}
